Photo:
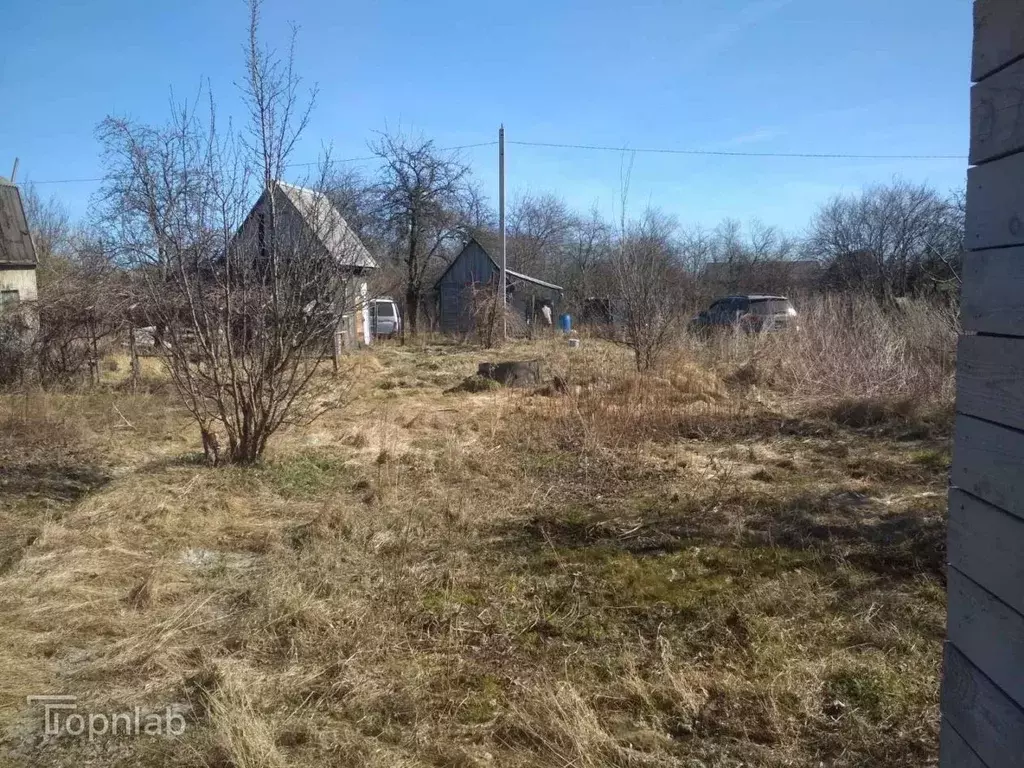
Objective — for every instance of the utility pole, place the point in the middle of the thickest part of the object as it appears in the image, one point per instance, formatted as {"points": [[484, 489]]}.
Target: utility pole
{"points": [[501, 225], [14, 171]]}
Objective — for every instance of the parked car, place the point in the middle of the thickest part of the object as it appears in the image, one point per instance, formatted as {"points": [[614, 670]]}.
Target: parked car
{"points": [[385, 320], [752, 313]]}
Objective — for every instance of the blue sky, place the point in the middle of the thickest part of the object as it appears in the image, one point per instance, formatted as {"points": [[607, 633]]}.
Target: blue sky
{"points": [[842, 76]]}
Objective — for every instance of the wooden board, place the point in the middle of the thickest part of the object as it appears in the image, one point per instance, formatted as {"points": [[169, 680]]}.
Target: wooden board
{"points": [[988, 632], [990, 379], [955, 752], [992, 300], [995, 203], [987, 544], [998, 35], [982, 714], [997, 114], [988, 462]]}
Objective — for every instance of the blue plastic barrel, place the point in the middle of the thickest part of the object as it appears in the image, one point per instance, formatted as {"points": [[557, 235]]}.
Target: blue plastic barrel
{"points": [[565, 322]]}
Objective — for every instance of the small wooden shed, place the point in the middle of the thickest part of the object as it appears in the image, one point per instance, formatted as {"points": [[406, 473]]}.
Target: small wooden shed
{"points": [[310, 217], [474, 272]]}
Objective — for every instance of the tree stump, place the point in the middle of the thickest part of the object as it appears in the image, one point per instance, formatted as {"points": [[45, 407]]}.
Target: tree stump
{"points": [[512, 373]]}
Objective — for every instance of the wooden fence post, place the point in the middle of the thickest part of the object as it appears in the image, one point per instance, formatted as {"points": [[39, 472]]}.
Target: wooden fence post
{"points": [[134, 354]]}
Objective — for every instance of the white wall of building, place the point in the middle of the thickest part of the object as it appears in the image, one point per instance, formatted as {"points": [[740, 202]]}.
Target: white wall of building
{"points": [[21, 280]]}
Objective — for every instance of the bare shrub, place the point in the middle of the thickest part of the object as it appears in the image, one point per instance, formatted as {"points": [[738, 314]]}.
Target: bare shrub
{"points": [[486, 313], [80, 313], [244, 318], [14, 349], [647, 276]]}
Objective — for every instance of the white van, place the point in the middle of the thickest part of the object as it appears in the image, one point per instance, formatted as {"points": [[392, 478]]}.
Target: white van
{"points": [[385, 320]]}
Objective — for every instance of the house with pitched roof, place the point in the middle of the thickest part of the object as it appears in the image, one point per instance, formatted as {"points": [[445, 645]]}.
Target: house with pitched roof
{"points": [[18, 258], [307, 219]]}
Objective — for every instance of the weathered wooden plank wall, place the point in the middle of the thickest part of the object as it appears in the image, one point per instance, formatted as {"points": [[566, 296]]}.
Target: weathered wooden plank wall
{"points": [[993, 285], [998, 35], [983, 684]]}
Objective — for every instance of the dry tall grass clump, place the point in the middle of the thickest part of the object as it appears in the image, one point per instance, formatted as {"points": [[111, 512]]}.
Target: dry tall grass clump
{"points": [[851, 346], [32, 425], [609, 405], [853, 360]]}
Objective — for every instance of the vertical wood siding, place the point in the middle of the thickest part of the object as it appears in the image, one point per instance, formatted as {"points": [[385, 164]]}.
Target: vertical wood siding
{"points": [[471, 268]]}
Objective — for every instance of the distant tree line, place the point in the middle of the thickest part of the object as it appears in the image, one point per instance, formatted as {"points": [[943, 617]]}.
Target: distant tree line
{"points": [[889, 241]]}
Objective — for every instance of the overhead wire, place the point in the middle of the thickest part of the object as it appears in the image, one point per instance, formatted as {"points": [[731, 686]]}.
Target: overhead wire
{"points": [[729, 153], [288, 165], [625, 149]]}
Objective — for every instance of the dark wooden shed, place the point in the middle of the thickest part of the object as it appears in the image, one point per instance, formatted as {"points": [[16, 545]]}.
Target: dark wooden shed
{"points": [[475, 271]]}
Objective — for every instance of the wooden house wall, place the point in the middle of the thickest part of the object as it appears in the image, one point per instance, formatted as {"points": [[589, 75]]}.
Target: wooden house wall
{"points": [[983, 681]]}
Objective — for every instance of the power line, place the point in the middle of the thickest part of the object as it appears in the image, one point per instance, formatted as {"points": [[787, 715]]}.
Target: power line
{"points": [[716, 153], [289, 165], [600, 148]]}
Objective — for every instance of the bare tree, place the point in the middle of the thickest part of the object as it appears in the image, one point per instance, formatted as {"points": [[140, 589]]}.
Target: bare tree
{"points": [[51, 228], [885, 239], [355, 198], [537, 229], [247, 311], [588, 249], [747, 258], [425, 194], [647, 275]]}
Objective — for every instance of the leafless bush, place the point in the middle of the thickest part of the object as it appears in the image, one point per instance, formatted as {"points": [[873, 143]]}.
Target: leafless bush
{"points": [[243, 318], [486, 314], [14, 348], [647, 276], [80, 313]]}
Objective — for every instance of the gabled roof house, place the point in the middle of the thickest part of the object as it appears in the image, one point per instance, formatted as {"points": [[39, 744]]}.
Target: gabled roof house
{"points": [[18, 259], [312, 218], [308, 219]]}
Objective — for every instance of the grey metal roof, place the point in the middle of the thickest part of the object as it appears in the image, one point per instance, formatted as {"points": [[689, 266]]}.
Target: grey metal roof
{"points": [[527, 278], [16, 245], [333, 231]]}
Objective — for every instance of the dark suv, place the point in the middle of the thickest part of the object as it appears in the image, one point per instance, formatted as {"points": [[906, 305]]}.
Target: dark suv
{"points": [[752, 313]]}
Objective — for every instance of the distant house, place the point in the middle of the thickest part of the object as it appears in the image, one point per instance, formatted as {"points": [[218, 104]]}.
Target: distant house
{"points": [[310, 217], [474, 270], [774, 276], [18, 259]]}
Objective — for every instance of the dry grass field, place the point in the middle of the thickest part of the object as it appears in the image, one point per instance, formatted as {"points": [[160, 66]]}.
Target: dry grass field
{"points": [[729, 563]]}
